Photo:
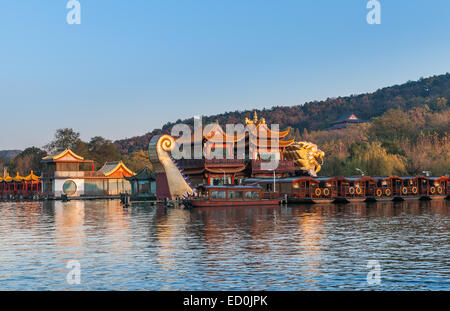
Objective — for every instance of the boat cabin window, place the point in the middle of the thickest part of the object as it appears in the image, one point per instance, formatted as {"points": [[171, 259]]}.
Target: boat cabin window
{"points": [[218, 194], [236, 194], [220, 181], [252, 195]]}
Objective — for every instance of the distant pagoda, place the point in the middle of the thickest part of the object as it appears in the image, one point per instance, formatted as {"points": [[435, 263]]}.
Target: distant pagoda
{"points": [[346, 121]]}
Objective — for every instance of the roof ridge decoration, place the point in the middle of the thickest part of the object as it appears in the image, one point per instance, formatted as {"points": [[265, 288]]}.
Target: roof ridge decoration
{"points": [[254, 121], [31, 177], [18, 177], [63, 154], [8, 178]]}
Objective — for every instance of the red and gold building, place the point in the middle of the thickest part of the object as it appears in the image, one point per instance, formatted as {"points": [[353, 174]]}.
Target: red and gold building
{"points": [[230, 158], [19, 185]]}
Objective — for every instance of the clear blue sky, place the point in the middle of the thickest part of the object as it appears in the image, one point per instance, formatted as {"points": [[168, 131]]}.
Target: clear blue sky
{"points": [[132, 66]]}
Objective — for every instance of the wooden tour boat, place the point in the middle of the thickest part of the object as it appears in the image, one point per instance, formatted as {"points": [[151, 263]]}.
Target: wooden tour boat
{"points": [[305, 189], [231, 195]]}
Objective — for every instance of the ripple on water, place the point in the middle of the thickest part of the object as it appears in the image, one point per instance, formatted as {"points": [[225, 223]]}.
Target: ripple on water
{"points": [[301, 247]]}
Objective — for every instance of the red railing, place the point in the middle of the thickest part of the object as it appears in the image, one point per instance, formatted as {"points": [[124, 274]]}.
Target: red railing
{"points": [[72, 174]]}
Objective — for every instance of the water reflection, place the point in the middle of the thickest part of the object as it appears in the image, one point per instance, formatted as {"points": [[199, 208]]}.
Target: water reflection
{"points": [[300, 247], [69, 227]]}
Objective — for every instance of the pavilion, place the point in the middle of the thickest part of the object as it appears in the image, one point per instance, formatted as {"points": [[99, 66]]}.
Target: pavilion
{"points": [[345, 121], [143, 184], [19, 185], [70, 174]]}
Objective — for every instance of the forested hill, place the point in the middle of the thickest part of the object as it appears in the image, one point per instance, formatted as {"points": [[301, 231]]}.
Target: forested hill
{"points": [[8, 154], [433, 92]]}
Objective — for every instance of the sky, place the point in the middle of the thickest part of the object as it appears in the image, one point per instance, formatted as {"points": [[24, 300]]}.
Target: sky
{"points": [[132, 66]]}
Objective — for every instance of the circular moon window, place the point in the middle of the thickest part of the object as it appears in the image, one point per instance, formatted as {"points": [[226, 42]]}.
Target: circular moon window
{"points": [[69, 187]]}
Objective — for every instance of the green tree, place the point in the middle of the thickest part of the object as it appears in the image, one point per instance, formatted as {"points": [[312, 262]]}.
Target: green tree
{"points": [[81, 148], [440, 103], [297, 135], [102, 150], [64, 138], [393, 125], [137, 160], [28, 160], [374, 160]]}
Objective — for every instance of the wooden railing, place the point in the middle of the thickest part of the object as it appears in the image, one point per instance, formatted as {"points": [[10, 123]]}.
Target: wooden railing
{"points": [[72, 174]]}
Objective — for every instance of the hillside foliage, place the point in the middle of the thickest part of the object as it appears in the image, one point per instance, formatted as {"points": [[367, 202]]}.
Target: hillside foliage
{"points": [[396, 143], [432, 92]]}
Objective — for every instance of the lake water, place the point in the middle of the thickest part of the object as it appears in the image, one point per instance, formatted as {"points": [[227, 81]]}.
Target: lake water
{"points": [[301, 247]]}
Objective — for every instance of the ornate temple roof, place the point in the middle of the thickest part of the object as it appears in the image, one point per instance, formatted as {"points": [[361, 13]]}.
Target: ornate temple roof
{"points": [[145, 174], [31, 177], [116, 169], [7, 178], [348, 118], [18, 178], [64, 156], [344, 121]]}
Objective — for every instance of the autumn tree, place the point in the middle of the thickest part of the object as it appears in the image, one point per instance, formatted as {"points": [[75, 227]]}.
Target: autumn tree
{"points": [[102, 150], [137, 160], [28, 160]]}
